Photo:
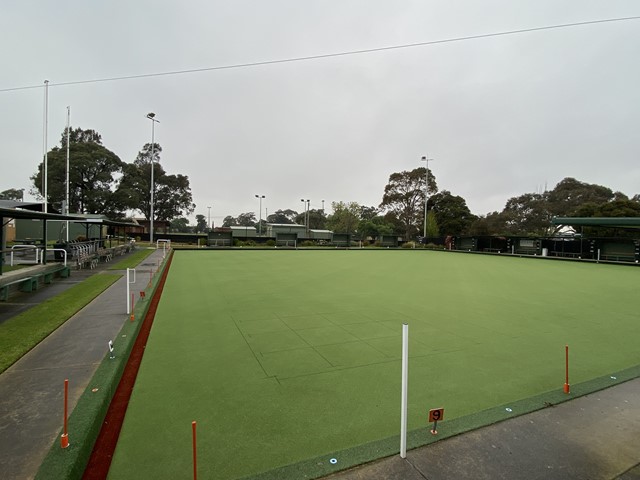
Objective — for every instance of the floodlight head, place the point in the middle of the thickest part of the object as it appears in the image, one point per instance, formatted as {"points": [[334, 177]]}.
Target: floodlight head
{"points": [[151, 115], [424, 159]]}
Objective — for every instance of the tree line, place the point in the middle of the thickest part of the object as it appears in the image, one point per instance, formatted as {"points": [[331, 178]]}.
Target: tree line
{"points": [[402, 211], [101, 183]]}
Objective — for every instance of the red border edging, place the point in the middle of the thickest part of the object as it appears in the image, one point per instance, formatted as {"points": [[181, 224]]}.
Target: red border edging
{"points": [[102, 453]]}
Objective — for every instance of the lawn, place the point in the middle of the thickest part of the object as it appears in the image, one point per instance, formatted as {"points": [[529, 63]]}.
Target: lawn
{"points": [[133, 259], [282, 356]]}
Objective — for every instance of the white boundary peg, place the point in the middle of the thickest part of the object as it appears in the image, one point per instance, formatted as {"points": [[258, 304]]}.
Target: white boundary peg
{"points": [[129, 282], [405, 377]]}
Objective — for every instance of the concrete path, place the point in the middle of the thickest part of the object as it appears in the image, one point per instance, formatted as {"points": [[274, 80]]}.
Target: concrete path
{"points": [[593, 437], [31, 390]]}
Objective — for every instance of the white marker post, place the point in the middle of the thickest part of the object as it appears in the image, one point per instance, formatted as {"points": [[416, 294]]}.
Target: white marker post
{"points": [[129, 282], [405, 378], [111, 355]]}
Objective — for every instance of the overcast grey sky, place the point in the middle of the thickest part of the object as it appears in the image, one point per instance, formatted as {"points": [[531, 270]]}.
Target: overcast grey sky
{"points": [[501, 116]]}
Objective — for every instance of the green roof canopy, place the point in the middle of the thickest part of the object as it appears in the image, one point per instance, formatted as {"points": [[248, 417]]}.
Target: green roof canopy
{"points": [[612, 222]]}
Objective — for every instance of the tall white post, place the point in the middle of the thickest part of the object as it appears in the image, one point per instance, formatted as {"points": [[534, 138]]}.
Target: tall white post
{"points": [[129, 282], [153, 144], [46, 141], [426, 193], [66, 207], [405, 380], [151, 116]]}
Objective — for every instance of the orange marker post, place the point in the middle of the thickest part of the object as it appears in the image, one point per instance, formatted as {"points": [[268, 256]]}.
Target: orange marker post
{"points": [[195, 467], [64, 440], [566, 369], [132, 317]]}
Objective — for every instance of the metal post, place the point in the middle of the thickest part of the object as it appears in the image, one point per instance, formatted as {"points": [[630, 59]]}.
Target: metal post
{"points": [[426, 193], [66, 206], [46, 130], [151, 116], [405, 378], [260, 197]]}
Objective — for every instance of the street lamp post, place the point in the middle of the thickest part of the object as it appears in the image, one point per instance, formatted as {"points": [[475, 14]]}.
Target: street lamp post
{"points": [[426, 192], [306, 212], [260, 197], [151, 116]]}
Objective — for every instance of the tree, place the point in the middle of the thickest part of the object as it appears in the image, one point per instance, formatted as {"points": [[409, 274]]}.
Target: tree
{"points": [[404, 196], [527, 214], [246, 219], [317, 219], [180, 225], [201, 224], [432, 225], [372, 224], [344, 218], [282, 216], [229, 221], [375, 227], [452, 215], [172, 193], [92, 174], [570, 194], [489, 224], [12, 194]]}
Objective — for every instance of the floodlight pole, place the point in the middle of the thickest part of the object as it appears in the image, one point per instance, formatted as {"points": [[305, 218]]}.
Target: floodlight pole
{"points": [[426, 192], [66, 207], [260, 197], [209, 219], [151, 116], [45, 141]]}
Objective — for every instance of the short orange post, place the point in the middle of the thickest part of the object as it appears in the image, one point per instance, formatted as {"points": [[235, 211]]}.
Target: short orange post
{"points": [[132, 317], [566, 369], [64, 440], [195, 468]]}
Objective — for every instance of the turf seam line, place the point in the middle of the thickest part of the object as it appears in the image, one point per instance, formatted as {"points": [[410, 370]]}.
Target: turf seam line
{"points": [[266, 374], [305, 341]]}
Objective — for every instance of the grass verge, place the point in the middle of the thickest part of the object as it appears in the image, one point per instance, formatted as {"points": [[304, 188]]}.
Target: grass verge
{"points": [[132, 260], [24, 331]]}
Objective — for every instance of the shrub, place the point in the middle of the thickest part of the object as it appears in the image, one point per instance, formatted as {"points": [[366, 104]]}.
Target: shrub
{"points": [[270, 243]]}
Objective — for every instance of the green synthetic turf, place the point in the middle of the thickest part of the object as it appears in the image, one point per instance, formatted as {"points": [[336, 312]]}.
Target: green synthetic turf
{"points": [[286, 356]]}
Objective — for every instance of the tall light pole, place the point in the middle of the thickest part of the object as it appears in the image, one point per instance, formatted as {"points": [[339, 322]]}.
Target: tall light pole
{"points": [[151, 116], [209, 219], [426, 192], [45, 142], [306, 210], [260, 197]]}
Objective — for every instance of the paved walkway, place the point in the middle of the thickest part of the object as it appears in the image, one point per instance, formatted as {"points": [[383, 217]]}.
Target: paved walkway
{"points": [[31, 390], [592, 437]]}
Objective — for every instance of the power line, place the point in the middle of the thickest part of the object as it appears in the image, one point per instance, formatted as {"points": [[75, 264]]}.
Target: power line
{"points": [[326, 55]]}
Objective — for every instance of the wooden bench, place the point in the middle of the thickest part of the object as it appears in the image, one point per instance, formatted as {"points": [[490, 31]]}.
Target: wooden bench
{"points": [[63, 270], [25, 284]]}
